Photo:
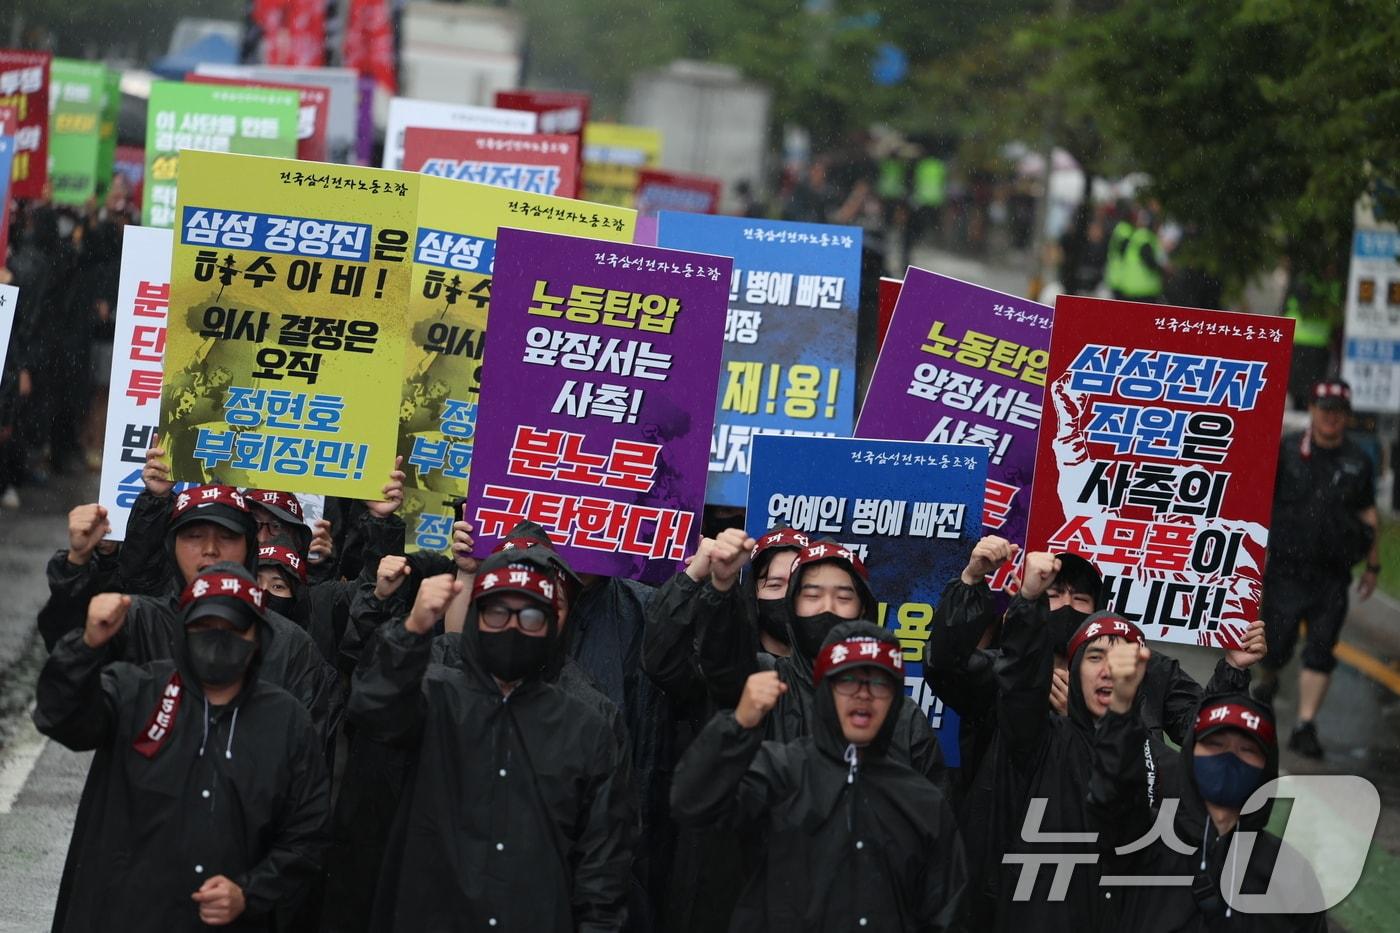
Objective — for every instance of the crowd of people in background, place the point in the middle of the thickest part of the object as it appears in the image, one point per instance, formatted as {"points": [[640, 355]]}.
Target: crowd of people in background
{"points": [[66, 263]]}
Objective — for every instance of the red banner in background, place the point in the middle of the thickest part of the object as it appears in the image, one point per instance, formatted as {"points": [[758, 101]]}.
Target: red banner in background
{"points": [[293, 31], [560, 111], [369, 42], [888, 298], [24, 85], [1158, 440], [674, 191]]}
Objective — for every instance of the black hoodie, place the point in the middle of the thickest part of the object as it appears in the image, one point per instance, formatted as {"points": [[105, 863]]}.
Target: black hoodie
{"points": [[515, 809], [1036, 755], [852, 838], [238, 791], [1118, 804], [375, 772], [962, 676], [913, 741], [152, 631]]}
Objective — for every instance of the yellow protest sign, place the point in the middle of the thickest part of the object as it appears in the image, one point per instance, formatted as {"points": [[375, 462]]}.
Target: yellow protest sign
{"points": [[614, 154], [454, 253], [287, 331]]}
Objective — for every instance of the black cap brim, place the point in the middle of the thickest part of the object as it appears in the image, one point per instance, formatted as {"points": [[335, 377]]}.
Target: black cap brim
{"points": [[189, 518], [236, 614]]}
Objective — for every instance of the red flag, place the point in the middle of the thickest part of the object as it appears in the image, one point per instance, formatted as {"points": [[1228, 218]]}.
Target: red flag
{"points": [[369, 42], [293, 31]]}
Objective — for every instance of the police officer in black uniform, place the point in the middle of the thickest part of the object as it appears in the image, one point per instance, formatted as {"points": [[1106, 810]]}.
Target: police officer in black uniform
{"points": [[1324, 522]]}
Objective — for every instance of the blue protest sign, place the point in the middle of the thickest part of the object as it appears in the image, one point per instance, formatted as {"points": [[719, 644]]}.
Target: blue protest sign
{"points": [[911, 511], [790, 334]]}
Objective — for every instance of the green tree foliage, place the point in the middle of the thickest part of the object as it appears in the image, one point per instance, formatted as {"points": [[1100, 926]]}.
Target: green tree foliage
{"points": [[1259, 121]]}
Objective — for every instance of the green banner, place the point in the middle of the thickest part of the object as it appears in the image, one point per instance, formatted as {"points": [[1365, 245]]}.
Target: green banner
{"points": [[107, 147], [242, 120], [76, 98]]}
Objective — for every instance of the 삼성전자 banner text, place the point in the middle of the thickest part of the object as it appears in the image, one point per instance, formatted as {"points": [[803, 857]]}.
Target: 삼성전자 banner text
{"points": [[1155, 425]]}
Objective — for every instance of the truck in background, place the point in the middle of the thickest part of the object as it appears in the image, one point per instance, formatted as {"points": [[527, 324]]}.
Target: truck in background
{"points": [[712, 120], [460, 53]]}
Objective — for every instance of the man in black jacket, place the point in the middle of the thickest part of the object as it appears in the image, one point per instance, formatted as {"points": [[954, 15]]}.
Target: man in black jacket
{"points": [[200, 527], [1230, 752], [1324, 522], [962, 650], [206, 802], [827, 585], [851, 838], [705, 875], [518, 811], [1031, 783]]}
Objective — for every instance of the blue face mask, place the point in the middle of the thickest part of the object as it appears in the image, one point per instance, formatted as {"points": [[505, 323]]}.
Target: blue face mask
{"points": [[1225, 779]]}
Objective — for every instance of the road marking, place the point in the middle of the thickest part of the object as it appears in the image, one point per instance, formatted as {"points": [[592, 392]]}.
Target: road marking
{"points": [[1369, 665], [19, 761]]}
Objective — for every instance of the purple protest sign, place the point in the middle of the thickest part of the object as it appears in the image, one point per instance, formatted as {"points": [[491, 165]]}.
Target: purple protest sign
{"points": [[364, 122], [963, 364], [597, 399]]}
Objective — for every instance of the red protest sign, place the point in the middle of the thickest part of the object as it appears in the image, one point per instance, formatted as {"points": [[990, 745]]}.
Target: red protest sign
{"points": [[313, 107], [560, 111], [888, 298], [24, 85], [1159, 435], [675, 191], [533, 162]]}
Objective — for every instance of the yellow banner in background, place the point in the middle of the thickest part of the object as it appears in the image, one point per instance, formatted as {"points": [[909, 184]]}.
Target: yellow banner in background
{"points": [[454, 253], [289, 282], [613, 156]]}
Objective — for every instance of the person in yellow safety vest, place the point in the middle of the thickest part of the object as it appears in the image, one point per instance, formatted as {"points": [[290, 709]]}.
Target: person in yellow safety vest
{"points": [[929, 191], [1140, 273], [1314, 303], [1117, 243]]}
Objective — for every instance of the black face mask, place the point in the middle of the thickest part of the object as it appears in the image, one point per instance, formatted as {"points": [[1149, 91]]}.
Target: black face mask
{"points": [[1064, 622], [283, 606], [218, 657], [773, 618], [809, 632], [511, 655]]}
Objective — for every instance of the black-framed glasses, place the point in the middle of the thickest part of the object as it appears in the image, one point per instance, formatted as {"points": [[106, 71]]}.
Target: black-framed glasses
{"points": [[270, 526], [498, 616], [878, 686]]}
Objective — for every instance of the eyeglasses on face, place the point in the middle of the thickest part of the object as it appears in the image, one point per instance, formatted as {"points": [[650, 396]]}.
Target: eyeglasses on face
{"points": [[272, 526], [878, 686], [498, 615]]}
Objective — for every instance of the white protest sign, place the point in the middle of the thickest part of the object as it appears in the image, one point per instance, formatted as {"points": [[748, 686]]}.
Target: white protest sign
{"points": [[404, 112]]}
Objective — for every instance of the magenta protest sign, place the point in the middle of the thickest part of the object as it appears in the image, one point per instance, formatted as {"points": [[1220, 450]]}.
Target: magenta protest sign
{"points": [[963, 364], [597, 399]]}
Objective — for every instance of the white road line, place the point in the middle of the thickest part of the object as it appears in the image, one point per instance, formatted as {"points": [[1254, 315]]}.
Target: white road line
{"points": [[19, 761]]}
